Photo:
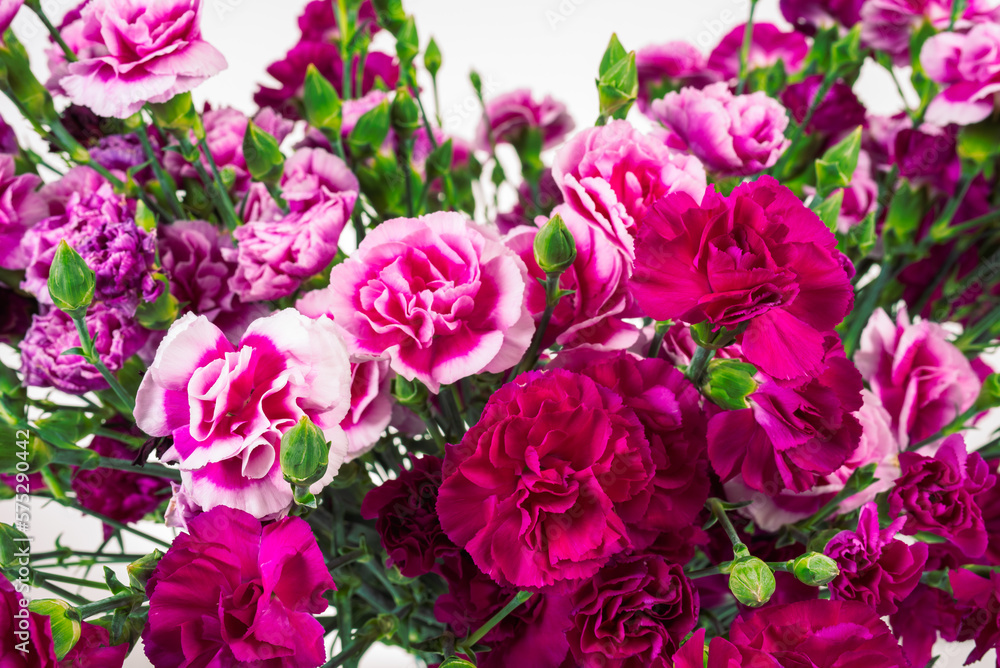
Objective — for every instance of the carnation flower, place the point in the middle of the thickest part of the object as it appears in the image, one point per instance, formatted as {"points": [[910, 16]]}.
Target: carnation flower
{"points": [[121, 495], [875, 568], [860, 197], [731, 134], [15, 315], [611, 175], [99, 225], [838, 112], [247, 593], [809, 15], [116, 338], [8, 10], [513, 114], [938, 495], [818, 634], [94, 648], [968, 67], [978, 605], [923, 380], [921, 616], [594, 315], [407, 520], [888, 25], [665, 67], [793, 434], [227, 405], [8, 139], [439, 296], [634, 613], [757, 261], [543, 496], [23, 629], [371, 406], [20, 208], [138, 53], [197, 258], [276, 254], [769, 45]]}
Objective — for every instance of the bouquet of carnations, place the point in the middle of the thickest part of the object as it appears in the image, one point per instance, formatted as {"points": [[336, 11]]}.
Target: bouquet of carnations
{"points": [[709, 394]]}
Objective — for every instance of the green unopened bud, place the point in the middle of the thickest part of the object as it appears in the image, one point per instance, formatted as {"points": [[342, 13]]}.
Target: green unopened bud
{"points": [[304, 453], [815, 569], [64, 623], [432, 58], [751, 581], [555, 247], [407, 43], [322, 104], [14, 546], [161, 313], [263, 156], [456, 662], [370, 131], [405, 114], [71, 281], [729, 382], [409, 393], [140, 570], [178, 115], [477, 82], [618, 83]]}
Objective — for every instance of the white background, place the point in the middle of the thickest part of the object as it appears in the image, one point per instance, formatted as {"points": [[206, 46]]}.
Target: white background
{"points": [[550, 46]]}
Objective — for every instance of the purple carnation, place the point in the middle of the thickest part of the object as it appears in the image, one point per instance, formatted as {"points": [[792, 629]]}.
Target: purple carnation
{"points": [[15, 315], [8, 140], [921, 616], [119, 152], [116, 338], [666, 67], [875, 568], [769, 45], [20, 208], [194, 256], [840, 111], [808, 15], [121, 495]]}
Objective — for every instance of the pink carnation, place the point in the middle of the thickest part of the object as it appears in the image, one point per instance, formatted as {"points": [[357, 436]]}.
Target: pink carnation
{"points": [[758, 262], [769, 45], [512, 114], [277, 252], [731, 134], [923, 380], [439, 296], [888, 25], [611, 174], [227, 405], [139, 52], [20, 208], [664, 67], [967, 65]]}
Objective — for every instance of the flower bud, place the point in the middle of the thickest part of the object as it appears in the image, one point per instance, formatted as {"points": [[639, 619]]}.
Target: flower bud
{"points": [[751, 581], [405, 114], [71, 281], [456, 662], [178, 115], [322, 104], [555, 248], [432, 57], [263, 156], [64, 623], [815, 569], [140, 570], [409, 393], [729, 382], [370, 131], [407, 43], [989, 394], [304, 453]]}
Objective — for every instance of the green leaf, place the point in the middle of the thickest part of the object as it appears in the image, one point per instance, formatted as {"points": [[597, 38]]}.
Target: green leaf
{"points": [[263, 155], [407, 43], [836, 168], [905, 213], [65, 631], [322, 104], [979, 142], [70, 426], [847, 54], [828, 209], [862, 236], [370, 131], [114, 584]]}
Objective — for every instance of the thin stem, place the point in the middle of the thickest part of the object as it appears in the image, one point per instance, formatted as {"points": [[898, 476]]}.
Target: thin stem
{"points": [[59, 591], [94, 358], [719, 511], [345, 559], [552, 296], [228, 212], [862, 313], [161, 175], [957, 7], [65, 579], [79, 456], [696, 369], [108, 604], [799, 129], [518, 599], [745, 49], [403, 156], [112, 523], [53, 31], [434, 429]]}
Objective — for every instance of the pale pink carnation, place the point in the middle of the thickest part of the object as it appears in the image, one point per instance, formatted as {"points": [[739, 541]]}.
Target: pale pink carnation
{"points": [[967, 65]]}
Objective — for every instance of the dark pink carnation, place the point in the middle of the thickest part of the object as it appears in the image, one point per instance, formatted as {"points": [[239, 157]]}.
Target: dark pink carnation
{"points": [[135, 52], [541, 489], [512, 114], [730, 134], [838, 112], [923, 380], [439, 296], [666, 67], [231, 592], [769, 45], [921, 616], [25, 637], [634, 613], [612, 174], [808, 634], [595, 314], [20, 208], [938, 495], [94, 649], [275, 254], [875, 567], [407, 519], [757, 261], [116, 338], [809, 15], [793, 434], [978, 603], [121, 495]]}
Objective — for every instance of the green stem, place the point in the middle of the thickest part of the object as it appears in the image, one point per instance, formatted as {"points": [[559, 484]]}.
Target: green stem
{"points": [[165, 182], [345, 559], [745, 49], [228, 212], [65, 579], [53, 31], [423, 113], [518, 599], [108, 604], [59, 591], [403, 157], [94, 358], [112, 523], [719, 511], [79, 456], [863, 312], [552, 296], [696, 369], [120, 437], [659, 331], [799, 129], [957, 7]]}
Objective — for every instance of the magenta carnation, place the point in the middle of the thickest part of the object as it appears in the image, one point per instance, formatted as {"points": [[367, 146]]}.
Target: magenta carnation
{"points": [[439, 296], [838, 112], [665, 67], [967, 65], [25, 636], [94, 649], [923, 380], [227, 405], [757, 261], [275, 254], [138, 52], [809, 15], [594, 315], [730, 134], [921, 617], [634, 613], [8, 10], [817, 634], [612, 174], [230, 592], [888, 25], [978, 601], [938, 495], [769, 45], [513, 114], [116, 338], [875, 567], [20, 208], [529, 492], [371, 406]]}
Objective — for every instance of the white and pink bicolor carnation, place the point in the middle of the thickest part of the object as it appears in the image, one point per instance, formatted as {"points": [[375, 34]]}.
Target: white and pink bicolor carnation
{"points": [[226, 406]]}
